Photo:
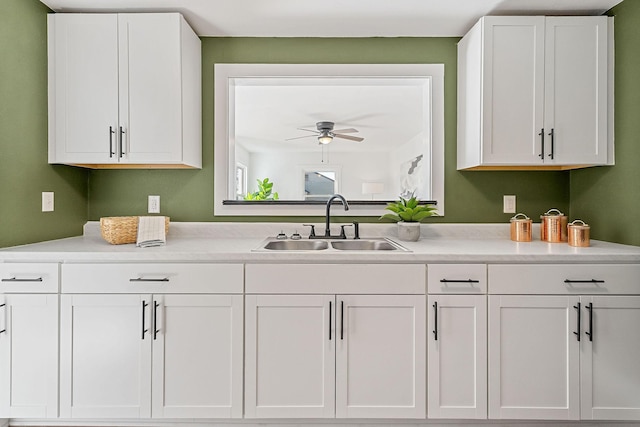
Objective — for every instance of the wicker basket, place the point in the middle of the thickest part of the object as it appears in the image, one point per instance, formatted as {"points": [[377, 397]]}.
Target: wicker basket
{"points": [[119, 230]]}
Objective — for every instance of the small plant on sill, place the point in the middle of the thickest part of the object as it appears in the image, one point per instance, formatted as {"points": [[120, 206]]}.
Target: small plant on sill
{"points": [[264, 191]]}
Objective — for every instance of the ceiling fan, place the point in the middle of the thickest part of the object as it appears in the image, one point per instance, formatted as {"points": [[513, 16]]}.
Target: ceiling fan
{"points": [[326, 133]]}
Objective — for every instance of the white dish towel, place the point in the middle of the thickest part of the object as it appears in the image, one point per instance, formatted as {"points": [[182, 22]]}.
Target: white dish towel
{"points": [[151, 231]]}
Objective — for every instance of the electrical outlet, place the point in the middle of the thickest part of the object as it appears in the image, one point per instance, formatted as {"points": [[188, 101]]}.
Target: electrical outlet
{"points": [[509, 204], [154, 204], [47, 201]]}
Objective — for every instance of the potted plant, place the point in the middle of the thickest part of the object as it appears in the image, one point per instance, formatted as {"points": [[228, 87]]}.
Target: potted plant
{"points": [[408, 213], [264, 191]]}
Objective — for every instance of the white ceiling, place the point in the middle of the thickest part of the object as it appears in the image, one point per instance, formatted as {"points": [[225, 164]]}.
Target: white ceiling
{"points": [[336, 18], [385, 112]]}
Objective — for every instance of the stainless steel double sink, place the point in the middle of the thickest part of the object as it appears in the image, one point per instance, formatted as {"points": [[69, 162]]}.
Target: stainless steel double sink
{"points": [[371, 244]]}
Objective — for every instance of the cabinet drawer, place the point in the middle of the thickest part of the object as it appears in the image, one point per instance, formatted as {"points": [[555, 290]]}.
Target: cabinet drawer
{"points": [[336, 278], [152, 278], [604, 279], [457, 278], [29, 277]]}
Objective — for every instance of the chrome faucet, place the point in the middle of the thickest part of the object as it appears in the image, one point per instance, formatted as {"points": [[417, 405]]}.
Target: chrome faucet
{"points": [[327, 229]]}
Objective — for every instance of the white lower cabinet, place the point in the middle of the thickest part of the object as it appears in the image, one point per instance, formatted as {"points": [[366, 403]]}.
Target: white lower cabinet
{"points": [[29, 355], [290, 356], [197, 357], [332, 355], [533, 357], [573, 355], [29, 340], [137, 356], [457, 341], [610, 351], [159, 347], [380, 356], [457, 356], [105, 346]]}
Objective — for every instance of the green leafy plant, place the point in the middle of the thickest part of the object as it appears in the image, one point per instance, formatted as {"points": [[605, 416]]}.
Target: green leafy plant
{"points": [[264, 191], [409, 210]]}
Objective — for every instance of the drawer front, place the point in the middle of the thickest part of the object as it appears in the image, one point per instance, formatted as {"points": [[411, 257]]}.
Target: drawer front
{"points": [[457, 278], [595, 279], [335, 278], [152, 278], [29, 277]]}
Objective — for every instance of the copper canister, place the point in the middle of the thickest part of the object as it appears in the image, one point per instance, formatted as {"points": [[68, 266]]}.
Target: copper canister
{"points": [[521, 228], [553, 228], [578, 233]]}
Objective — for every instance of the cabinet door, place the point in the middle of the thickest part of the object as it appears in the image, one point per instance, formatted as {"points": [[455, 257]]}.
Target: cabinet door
{"points": [[290, 356], [197, 356], [513, 70], [29, 356], [150, 87], [105, 356], [533, 357], [381, 356], [576, 92], [609, 358], [83, 88], [457, 356]]}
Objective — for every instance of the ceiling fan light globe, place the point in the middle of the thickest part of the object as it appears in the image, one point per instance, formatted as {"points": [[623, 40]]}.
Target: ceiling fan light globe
{"points": [[324, 139]]}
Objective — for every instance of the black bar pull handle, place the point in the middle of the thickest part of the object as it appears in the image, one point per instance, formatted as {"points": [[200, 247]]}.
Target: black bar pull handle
{"points": [[155, 320], [577, 334], [459, 281], [590, 310], [5, 329], [121, 143], [569, 281], [142, 279], [435, 320], [541, 134], [144, 321], [330, 313], [341, 320], [15, 279], [552, 134], [111, 132]]}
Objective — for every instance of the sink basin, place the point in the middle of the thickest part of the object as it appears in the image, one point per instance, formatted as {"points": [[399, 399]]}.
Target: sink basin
{"points": [[365, 245], [334, 246], [296, 245]]}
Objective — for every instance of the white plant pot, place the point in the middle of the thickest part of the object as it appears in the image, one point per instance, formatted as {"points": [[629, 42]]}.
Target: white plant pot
{"points": [[409, 231]]}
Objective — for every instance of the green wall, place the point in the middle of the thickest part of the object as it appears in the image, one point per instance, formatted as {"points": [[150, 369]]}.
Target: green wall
{"points": [[608, 198], [188, 195], [24, 172]]}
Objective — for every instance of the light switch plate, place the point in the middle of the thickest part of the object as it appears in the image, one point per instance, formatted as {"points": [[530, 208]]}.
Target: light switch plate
{"points": [[154, 204], [47, 201], [509, 204]]}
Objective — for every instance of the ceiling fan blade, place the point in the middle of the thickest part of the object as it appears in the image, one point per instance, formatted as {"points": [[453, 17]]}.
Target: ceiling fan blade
{"points": [[309, 130], [350, 130], [349, 137], [300, 137]]}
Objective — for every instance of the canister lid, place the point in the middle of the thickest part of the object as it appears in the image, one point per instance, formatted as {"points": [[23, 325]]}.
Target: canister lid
{"points": [[582, 224], [552, 212], [516, 219]]}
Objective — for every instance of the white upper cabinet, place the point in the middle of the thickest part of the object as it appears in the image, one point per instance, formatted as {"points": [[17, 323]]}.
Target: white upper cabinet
{"points": [[535, 92], [124, 91]]}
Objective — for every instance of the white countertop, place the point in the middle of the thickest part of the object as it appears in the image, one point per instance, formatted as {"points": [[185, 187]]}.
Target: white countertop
{"points": [[236, 242]]}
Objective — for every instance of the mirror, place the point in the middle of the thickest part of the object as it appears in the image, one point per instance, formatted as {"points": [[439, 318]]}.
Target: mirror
{"points": [[368, 132]]}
